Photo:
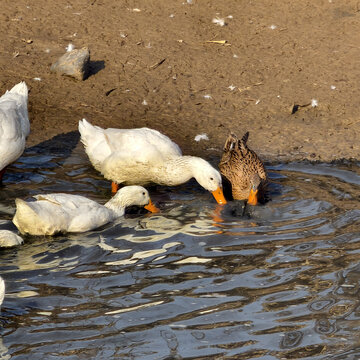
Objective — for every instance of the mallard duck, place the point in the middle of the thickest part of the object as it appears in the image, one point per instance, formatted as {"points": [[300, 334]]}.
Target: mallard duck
{"points": [[8, 239], [2, 290], [243, 170], [14, 125], [143, 156], [59, 213]]}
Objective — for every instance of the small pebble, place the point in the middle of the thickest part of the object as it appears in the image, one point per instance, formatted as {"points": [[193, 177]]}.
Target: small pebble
{"points": [[73, 63]]}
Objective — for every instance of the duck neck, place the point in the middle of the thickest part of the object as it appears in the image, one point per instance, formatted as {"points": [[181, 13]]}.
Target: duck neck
{"points": [[117, 206], [175, 171]]}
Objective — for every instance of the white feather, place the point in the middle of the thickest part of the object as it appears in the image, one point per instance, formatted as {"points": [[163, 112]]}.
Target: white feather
{"points": [[219, 21], [2, 290], [201, 137], [70, 47], [9, 239]]}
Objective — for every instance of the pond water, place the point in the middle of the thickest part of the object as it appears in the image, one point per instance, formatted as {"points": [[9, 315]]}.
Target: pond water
{"points": [[196, 281]]}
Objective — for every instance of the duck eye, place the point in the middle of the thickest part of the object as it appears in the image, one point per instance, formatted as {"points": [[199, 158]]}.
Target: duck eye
{"points": [[212, 179], [144, 193]]}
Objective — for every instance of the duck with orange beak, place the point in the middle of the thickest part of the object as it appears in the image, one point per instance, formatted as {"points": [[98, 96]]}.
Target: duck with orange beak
{"points": [[243, 170], [145, 156], [51, 214]]}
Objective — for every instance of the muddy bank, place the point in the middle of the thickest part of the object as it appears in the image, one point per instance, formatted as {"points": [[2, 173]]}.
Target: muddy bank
{"points": [[152, 65]]}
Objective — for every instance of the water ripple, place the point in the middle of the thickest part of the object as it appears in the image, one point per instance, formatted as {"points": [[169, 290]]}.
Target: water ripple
{"points": [[197, 280]]}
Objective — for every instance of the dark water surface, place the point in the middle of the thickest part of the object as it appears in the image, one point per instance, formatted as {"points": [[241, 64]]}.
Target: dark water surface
{"points": [[193, 282]]}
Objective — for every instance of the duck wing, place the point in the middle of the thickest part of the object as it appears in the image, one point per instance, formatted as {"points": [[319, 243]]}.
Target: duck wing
{"points": [[127, 146]]}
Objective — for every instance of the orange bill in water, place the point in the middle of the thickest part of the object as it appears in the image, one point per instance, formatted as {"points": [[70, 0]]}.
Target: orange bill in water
{"points": [[253, 198], [114, 187], [151, 207], [219, 196]]}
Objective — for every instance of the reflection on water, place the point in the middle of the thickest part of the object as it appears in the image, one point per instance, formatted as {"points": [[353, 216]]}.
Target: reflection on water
{"points": [[193, 282]]}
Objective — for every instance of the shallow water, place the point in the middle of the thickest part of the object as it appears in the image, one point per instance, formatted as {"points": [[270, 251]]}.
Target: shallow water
{"points": [[192, 282]]}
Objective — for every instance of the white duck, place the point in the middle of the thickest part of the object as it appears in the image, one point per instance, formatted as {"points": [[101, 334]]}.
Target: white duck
{"points": [[8, 239], [143, 156], [59, 213], [2, 290], [14, 125]]}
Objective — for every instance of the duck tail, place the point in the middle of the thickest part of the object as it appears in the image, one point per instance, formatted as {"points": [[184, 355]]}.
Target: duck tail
{"points": [[20, 88], [245, 138], [86, 132], [230, 143], [18, 97], [242, 144], [90, 134], [95, 143], [24, 216]]}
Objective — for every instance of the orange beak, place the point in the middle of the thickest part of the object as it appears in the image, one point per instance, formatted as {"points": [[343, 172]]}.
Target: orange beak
{"points": [[253, 199], [219, 196], [151, 207], [114, 187]]}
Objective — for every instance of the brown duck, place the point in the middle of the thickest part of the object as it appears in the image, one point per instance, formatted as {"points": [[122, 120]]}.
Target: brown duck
{"points": [[243, 169]]}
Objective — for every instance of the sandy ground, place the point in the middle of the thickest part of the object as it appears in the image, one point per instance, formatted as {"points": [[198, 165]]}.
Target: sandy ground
{"points": [[152, 65]]}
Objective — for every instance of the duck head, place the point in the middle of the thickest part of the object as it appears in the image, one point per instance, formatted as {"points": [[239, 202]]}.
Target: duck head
{"points": [[134, 195], [210, 179]]}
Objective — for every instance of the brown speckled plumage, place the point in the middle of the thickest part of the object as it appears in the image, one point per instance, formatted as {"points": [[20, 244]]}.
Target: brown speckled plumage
{"points": [[242, 168]]}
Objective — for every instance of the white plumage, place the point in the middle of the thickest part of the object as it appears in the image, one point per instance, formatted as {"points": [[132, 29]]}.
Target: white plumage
{"points": [[14, 124], [143, 156], [56, 213], [2, 290], [8, 239]]}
